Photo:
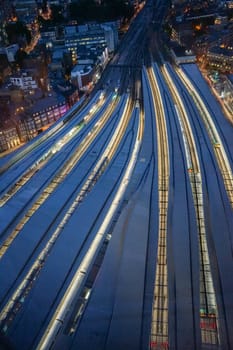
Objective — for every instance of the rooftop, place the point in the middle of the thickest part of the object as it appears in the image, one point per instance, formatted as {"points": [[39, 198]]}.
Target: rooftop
{"points": [[45, 102]]}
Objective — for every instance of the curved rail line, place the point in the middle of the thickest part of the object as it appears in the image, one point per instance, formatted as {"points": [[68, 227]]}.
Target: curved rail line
{"points": [[218, 147], [75, 287], [49, 154], [6, 315], [208, 306], [58, 178]]}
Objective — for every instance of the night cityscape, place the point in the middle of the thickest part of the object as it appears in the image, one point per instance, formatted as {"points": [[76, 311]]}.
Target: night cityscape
{"points": [[116, 184]]}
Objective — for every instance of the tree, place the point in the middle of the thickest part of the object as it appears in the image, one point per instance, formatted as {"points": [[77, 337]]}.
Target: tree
{"points": [[19, 57], [57, 15], [17, 30], [89, 10]]}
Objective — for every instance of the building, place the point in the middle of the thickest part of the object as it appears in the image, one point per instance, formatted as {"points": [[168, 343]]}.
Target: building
{"points": [[49, 35], [43, 113], [57, 57], [221, 20], [25, 7], [3, 34], [220, 58], [229, 4], [111, 34], [5, 69], [9, 137], [81, 76], [12, 94], [25, 124], [181, 55], [10, 52], [182, 33], [90, 36], [23, 81], [69, 91]]}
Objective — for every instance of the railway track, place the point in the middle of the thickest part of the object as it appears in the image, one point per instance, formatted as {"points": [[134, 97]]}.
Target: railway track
{"points": [[11, 308], [47, 156], [214, 136], [209, 327], [159, 325], [58, 178], [77, 285]]}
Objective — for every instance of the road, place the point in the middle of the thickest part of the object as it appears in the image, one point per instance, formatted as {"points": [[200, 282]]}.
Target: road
{"points": [[116, 223]]}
